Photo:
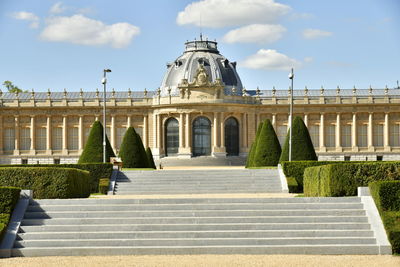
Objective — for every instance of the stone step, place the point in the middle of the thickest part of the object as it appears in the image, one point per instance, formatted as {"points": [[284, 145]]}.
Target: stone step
{"points": [[204, 213], [193, 207], [193, 234], [195, 250], [195, 227]]}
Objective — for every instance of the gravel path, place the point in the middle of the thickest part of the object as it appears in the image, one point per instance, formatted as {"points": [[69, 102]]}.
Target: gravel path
{"points": [[208, 260]]}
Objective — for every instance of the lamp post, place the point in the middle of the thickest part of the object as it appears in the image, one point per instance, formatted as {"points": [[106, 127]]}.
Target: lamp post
{"points": [[104, 82], [291, 77]]}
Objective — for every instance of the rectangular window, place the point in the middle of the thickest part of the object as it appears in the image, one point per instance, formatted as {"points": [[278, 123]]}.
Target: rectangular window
{"points": [[314, 134], [9, 139], [25, 136], [73, 138], [57, 138], [330, 136], [362, 135], [394, 133], [346, 135], [281, 133], [41, 138], [378, 135], [120, 136]]}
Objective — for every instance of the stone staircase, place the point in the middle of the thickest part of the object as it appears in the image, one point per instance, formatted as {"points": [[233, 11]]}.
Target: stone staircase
{"points": [[198, 181], [202, 161], [195, 226]]}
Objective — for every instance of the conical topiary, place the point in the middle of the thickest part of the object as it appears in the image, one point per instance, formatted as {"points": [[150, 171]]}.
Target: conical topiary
{"points": [[150, 158], [132, 152], [250, 156], [302, 146], [93, 151], [268, 148]]}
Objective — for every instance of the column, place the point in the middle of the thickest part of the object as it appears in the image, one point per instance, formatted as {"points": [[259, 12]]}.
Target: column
{"points": [[274, 121], [215, 130], [32, 134], [80, 134], [1, 135], [48, 134], [386, 133], [128, 122], [145, 131], [159, 129], [181, 130], [187, 130], [244, 130], [354, 133], [370, 133], [222, 124], [154, 130], [64, 135], [338, 133], [112, 132], [306, 119], [322, 133], [16, 131]]}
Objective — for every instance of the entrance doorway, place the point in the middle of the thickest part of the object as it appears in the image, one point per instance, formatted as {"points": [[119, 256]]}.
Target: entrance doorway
{"points": [[232, 137], [201, 137], [171, 137]]}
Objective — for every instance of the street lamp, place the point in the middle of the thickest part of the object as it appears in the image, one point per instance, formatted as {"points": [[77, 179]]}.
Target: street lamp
{"points": [[291, 77], [104, 82]]}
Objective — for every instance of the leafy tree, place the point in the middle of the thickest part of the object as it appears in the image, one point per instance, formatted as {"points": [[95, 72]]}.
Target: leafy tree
{"points": [[132, 152], [250, 156], [302, 146], [268, 148], [150, 158], [11, 88], [93, 151]]}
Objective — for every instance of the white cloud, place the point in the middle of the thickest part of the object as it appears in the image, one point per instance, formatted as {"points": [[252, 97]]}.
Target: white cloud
{"points": [[314, 33], [268, 59], [255, 33], [23, 15], [79, 29], [57, 8], [308, 59], [222, 13]]}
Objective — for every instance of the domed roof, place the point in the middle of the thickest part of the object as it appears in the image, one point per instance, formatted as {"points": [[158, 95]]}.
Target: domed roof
{"points": [[201, 54]]}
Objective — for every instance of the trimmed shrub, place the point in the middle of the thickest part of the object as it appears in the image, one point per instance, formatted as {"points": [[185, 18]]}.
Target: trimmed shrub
{"points": [[96, 170], [48, 182], [391, 221], [104, 184], [93, 151], [293, 185], [150, 158], [386, 195], [132, 152], [8, 199], [302, 146], [343, 179], [268, 148], [250, 156]]}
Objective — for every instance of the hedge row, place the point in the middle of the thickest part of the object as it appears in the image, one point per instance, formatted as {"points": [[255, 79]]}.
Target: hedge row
{"points": [[342, 179], [48, 182], [97, 171], [103, 185], [8, 199], [386, 195]]}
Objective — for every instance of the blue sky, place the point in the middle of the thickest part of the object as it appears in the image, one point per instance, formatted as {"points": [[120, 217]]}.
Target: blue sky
{"points": [[67, 44]]}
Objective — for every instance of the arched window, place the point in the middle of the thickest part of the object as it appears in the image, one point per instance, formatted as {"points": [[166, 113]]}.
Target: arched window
{"points": [[171, 136], [201, 137], [232, 137]]}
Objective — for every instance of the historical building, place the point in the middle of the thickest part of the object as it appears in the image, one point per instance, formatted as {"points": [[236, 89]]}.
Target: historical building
{"points": [[200, 109]]}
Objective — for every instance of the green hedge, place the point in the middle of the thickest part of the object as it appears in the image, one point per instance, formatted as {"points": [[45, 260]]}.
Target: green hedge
{"points": [[48, 182], [343, 179], [8, 199], [386, 195], [293, 186], [97, 170], [103, 185]]}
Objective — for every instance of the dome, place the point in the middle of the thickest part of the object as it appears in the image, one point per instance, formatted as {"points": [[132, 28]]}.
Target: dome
{"points": [[201, 54]]}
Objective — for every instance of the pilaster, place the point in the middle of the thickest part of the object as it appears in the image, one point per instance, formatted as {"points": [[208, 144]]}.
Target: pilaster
{"points": [[48, 135], [354, 133], [33, 136], [370, 132], [322, 147], [338, 133], [386, 145]]}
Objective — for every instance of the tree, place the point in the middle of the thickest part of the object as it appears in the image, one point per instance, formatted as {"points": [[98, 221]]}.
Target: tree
{"points": [[268, 149], [250, 156], [150, 158], [11, 88], [93, 151], [132, 152], [302, 146]]}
